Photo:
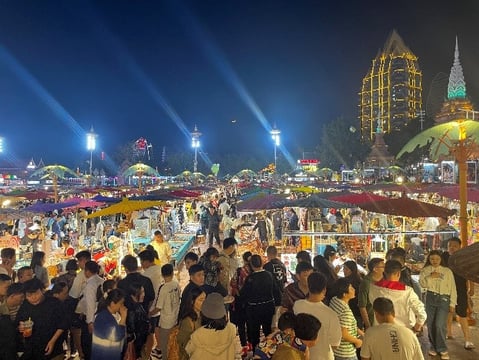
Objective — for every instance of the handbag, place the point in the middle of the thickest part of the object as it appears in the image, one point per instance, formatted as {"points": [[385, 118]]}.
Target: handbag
{"points": [[130, 353]]}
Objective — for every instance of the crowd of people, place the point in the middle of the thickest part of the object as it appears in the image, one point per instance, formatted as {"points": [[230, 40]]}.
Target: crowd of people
{"points": [[324, 311]]}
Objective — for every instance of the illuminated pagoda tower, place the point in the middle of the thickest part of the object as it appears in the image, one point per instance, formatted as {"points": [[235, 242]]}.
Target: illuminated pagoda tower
{"points": [[379, 157], [457, 105], [391, 89]]}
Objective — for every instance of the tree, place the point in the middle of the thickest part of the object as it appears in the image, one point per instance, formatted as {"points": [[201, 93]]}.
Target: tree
{"points": [[341, 145]]}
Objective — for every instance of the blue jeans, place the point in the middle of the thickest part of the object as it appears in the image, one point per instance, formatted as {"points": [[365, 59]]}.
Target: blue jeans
{"points": [[437, 309]]}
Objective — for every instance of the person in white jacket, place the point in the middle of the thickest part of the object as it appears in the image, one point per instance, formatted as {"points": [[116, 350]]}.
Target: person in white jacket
{"points": [[216, 338], [410, 310], [441, 298]]}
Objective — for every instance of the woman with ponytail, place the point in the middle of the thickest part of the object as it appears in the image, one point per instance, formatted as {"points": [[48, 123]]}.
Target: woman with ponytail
{"points": [[108, 333]]}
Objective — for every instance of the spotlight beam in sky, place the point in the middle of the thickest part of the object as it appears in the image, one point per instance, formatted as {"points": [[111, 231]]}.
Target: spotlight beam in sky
{"points": [[53, 104], [216, 57], [111, 40]]}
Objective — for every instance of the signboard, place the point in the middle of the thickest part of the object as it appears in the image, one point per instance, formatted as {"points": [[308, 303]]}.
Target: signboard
{"points": [[471, 172], [308, 161], [448, 172]]}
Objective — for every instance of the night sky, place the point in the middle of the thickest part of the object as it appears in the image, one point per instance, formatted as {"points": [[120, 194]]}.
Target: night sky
{"points": [[154, 69]]}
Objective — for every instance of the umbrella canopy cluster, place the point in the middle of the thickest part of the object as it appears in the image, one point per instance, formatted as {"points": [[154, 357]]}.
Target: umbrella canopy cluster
{"points": [[125, 206], [406, 207]]}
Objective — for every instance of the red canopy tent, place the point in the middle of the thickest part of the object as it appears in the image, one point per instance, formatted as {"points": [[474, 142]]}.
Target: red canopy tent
{"points": [[406, 207], [357, 198]]}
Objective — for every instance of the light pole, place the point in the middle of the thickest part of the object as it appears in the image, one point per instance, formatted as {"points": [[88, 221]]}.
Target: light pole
{"points": [[1, 144], [275, 133], [195, 143], [91, 145]]}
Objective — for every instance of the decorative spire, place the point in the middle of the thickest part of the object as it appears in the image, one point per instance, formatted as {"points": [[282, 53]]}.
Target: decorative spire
{"points": [[456, 88]]}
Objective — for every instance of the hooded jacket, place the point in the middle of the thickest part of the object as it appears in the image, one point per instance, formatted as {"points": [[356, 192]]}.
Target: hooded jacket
{"points": [[407, 305], [210, 344]]}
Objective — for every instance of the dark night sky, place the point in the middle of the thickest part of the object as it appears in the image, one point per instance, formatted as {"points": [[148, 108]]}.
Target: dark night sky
{"points": [[68, 65]]}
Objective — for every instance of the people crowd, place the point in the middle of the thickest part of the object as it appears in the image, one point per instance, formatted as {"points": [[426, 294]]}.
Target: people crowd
{"points": [[324, 310]]}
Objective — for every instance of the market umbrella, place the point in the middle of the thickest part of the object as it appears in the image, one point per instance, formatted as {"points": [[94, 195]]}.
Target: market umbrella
{"points": [[260, 202], [125, 206], [105, 199], [406, 207], [139, 170], [314, 201], [54, 172], [452, 192], [245, 173], [356, 198], [460, 139], [47, 207], [82, 203], [464, 262]]}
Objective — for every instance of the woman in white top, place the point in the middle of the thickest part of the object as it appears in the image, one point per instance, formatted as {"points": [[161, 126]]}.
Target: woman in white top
{"points": [[441, 298]]}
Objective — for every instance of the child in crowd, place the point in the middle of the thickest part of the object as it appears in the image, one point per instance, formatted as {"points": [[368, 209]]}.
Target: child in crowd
{"points": [[285, 334]]}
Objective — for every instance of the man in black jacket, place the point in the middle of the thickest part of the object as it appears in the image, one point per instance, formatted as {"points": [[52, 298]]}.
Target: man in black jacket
{"points": [[257, 294], [130, 263]]}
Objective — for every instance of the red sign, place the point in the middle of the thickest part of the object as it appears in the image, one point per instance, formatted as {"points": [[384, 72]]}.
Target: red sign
{"points": [[308, 161]]}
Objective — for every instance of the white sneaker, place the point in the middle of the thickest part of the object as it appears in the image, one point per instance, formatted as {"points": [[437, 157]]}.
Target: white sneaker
{"points": [[469, 345], [444, 355]]}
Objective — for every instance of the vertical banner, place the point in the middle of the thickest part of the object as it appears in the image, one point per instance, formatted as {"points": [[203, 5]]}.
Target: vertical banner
{"points": [[471, 172], [448, 172]]}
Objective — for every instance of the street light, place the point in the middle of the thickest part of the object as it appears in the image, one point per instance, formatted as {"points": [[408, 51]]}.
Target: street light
{"points": [[195, 143], [91, 145], [275, 136]]}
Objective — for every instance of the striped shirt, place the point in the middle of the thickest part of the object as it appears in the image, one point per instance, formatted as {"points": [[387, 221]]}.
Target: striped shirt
{"points": [[348, 321]]}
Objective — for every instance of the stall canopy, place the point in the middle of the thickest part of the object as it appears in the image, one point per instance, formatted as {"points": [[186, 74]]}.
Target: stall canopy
{"points": [[314, 201], [47, 207], [125, 206], [356, 198], [406, 207], [261, 202]]}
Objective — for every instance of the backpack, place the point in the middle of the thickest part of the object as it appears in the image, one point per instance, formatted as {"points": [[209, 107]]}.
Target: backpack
{"points": [[173, 352], [173, 346]]}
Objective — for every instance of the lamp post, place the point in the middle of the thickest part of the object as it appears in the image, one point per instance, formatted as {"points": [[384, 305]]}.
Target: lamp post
{"points": [[91, 145], [195, 144], [275, 136]]}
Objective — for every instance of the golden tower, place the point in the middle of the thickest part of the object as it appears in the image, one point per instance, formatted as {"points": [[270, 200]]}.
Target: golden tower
{"points": [[392, 89]]}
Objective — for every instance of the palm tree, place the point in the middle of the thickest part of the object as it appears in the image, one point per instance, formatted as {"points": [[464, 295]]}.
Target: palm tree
{"points": [[53, 172]]}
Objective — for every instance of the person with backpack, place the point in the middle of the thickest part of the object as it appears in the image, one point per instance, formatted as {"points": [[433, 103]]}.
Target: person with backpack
{"points": [[188, 321]]}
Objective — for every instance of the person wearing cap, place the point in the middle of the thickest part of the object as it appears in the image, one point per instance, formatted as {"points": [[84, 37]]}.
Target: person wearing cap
{"points": [[216, 338]]}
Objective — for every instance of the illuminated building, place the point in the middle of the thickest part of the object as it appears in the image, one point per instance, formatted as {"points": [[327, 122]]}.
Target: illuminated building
{"points": [[457, 105], [391, 90]]}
